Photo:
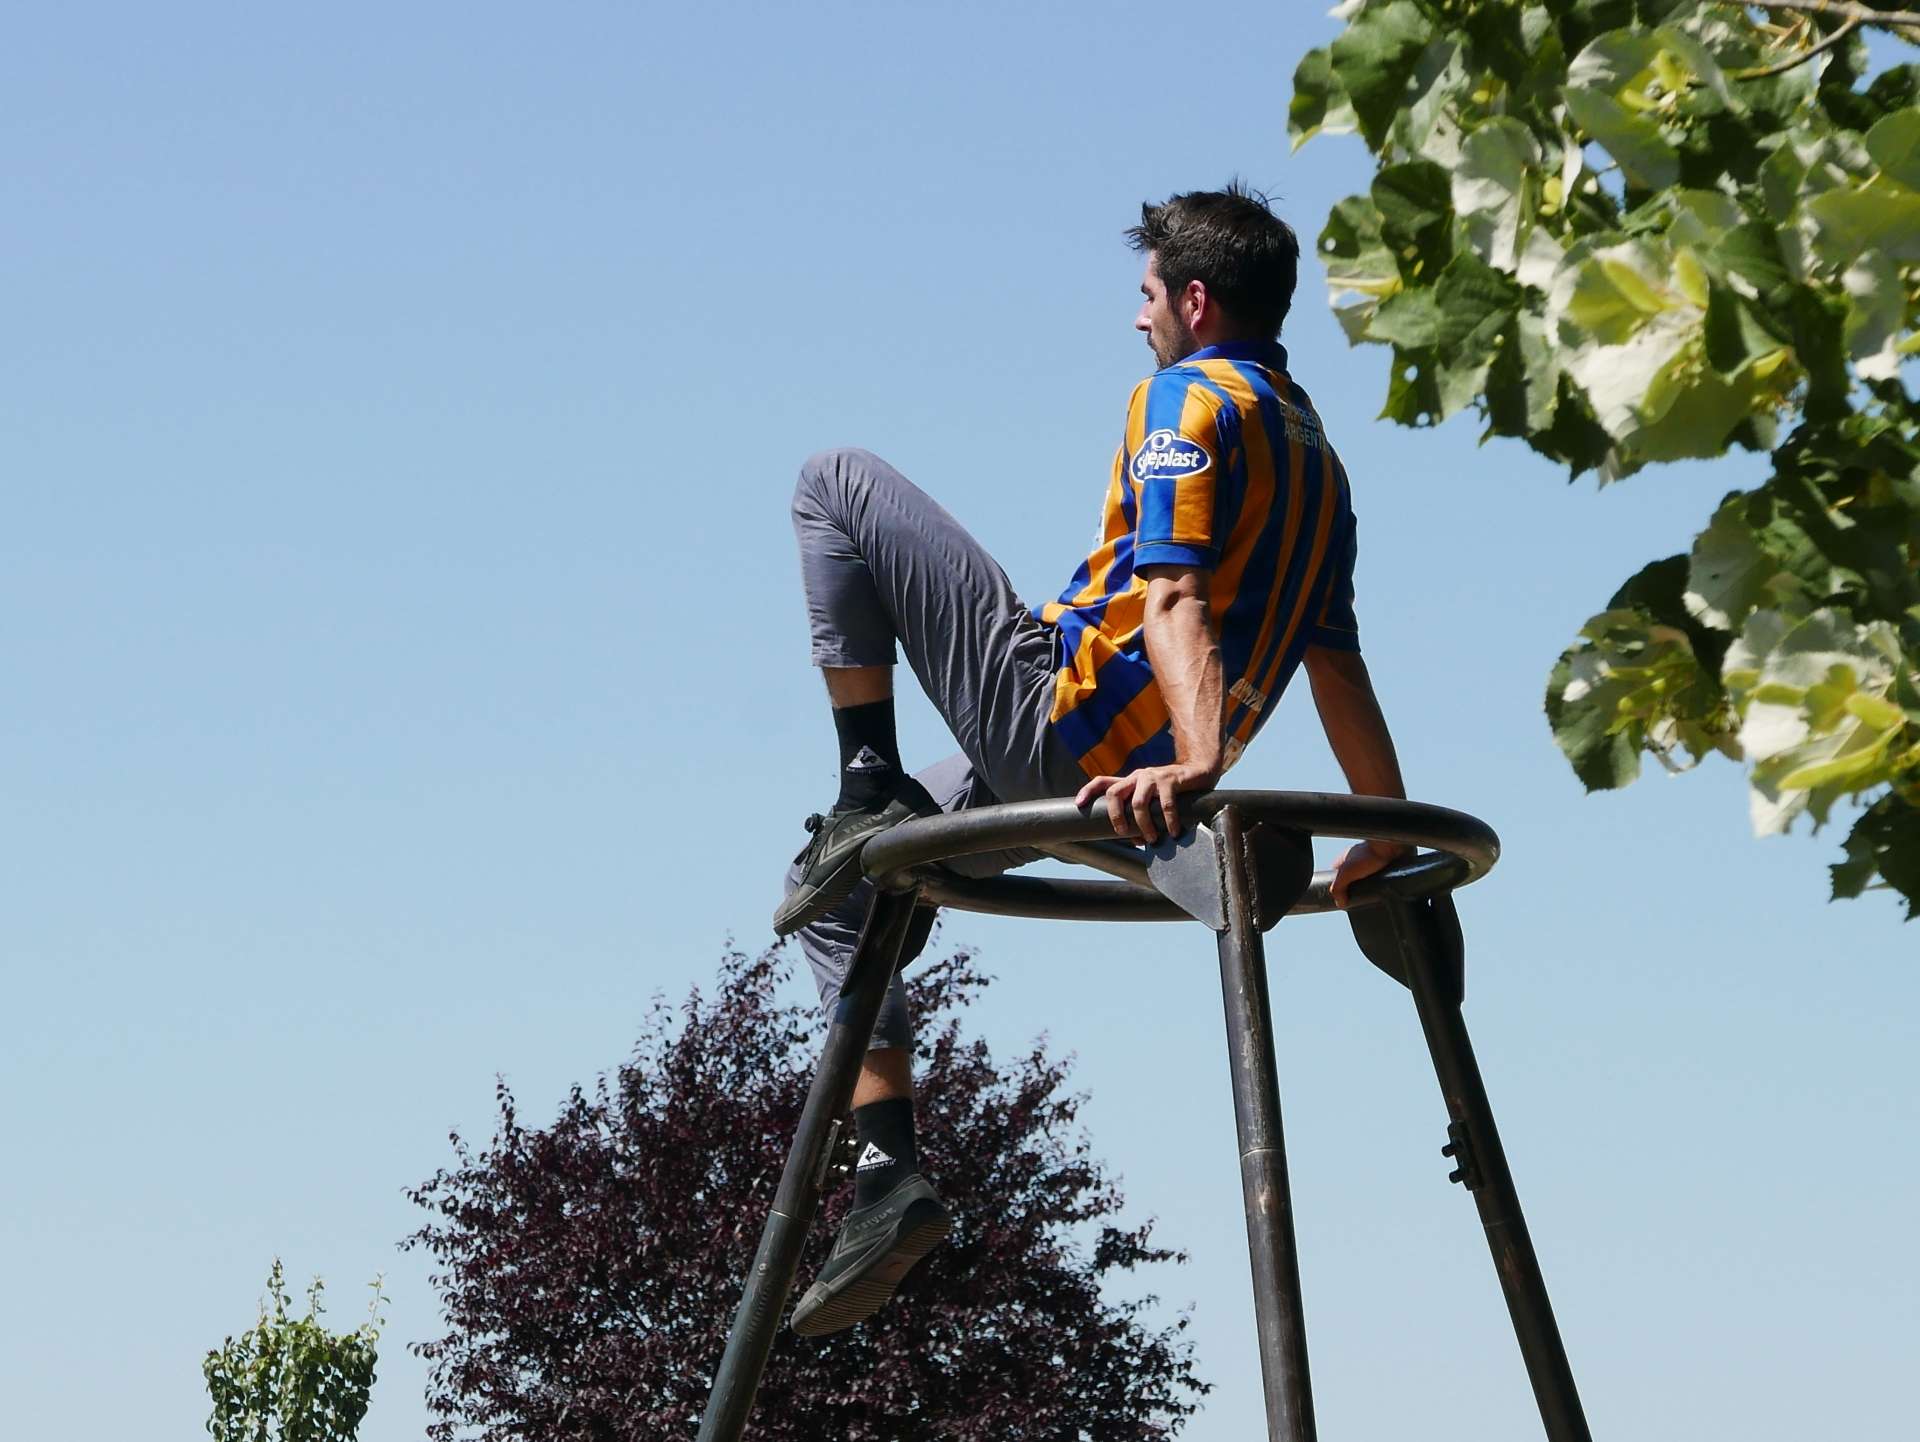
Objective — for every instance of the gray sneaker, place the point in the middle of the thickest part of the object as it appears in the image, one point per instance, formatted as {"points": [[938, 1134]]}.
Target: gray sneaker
{"points": [[830, 862], [877, 1246]]}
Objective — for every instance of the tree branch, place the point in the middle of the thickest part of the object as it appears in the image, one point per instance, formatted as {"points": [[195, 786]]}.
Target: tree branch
{"points": [[1800, 57], [1841, 9]]}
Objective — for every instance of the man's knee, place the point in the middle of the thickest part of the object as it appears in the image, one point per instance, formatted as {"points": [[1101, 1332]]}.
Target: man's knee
{"points": [[839, 472]]}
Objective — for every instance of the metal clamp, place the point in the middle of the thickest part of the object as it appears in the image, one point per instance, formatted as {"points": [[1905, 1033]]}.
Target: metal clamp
{"points": [[1460, 1148]]}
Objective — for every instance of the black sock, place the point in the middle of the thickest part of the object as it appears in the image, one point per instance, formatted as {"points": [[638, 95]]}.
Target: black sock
{"points": [[887, 1151], [869, 754]]}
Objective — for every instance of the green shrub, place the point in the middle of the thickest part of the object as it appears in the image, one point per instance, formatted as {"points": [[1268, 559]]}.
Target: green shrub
{"points": [[293, 1381]]}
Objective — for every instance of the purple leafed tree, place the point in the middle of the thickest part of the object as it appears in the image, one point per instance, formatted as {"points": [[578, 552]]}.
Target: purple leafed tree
{"points": [[589, 1269]]}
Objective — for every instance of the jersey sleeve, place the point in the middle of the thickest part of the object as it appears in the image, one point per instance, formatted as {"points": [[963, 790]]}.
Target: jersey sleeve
{"points": [[1336, 626], [1173, 461]]}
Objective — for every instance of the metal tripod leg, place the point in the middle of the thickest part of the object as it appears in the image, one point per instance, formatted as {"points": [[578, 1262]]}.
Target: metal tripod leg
{"points": [[1263, 1154], [765, 1299], [1426, 935]]}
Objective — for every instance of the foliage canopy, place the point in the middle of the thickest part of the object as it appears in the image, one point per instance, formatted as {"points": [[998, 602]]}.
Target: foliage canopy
{"points": [[1635, 231], [589, 1270], [289, 1379]]}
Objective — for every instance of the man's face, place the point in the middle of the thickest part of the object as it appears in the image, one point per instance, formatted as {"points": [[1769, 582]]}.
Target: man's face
{"points": [[1160, 319]]}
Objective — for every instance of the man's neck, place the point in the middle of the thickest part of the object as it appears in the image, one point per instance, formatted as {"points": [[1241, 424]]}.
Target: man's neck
{"points": [[1217, 336], [1249, 347]]}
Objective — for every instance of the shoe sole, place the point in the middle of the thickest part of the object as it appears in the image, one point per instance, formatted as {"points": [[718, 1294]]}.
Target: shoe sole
{"points": [[869, 1291], [805, 906]]}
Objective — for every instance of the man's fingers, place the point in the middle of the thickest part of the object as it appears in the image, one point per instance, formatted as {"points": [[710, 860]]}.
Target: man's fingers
{"points": [[1130, 802], [1143, 813], [1169, 807], [1094, 788], [1337, 888], [1342, 883], [1357, 864]]}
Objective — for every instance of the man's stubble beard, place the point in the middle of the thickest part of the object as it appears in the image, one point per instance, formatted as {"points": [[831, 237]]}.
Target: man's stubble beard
{"points": [[1174, 347]]}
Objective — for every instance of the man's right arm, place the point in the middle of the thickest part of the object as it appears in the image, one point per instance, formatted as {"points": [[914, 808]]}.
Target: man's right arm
{"points": [[1357, 732]]}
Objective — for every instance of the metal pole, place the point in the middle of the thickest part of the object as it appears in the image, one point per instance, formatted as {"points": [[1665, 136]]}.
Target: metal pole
{"points": [[1429, 938], [765, 1299], [1263, 1155]]}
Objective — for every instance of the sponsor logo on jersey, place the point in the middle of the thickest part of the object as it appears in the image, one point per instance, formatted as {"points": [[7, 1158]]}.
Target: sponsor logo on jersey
{"points": [[1168, 453], [1302, 426]]}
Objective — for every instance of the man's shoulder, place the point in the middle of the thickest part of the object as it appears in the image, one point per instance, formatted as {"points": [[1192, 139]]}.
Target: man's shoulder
{"points": [[1175, 383], [1257, 395]]}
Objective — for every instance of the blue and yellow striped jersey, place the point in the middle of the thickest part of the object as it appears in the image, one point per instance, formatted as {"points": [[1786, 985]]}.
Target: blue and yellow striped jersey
{"points": [[1225, 467]]}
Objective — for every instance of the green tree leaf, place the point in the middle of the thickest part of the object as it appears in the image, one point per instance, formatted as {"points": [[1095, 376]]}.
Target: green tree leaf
{"points": [[1728, 572], [1413, 394], [1884, 842], [1410, 320], [1894, 144], [1374, 58], [1647, 158], [1415, 201], [1523, 385], [1361, 271], [1492, 186], [1877, 321], [1583, 712], [1476, 302], [1439, 94], [1882, 215], [1319, 100]]}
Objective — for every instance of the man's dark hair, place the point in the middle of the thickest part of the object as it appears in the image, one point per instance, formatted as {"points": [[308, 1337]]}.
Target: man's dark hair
{"points": [[1231, 242]]}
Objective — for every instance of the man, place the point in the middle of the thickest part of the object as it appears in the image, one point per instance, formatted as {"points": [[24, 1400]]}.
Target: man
{"points": [[1223, 564]]}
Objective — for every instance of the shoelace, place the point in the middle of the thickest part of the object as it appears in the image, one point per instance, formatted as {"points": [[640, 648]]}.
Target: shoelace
{"points": [[813, 825]]}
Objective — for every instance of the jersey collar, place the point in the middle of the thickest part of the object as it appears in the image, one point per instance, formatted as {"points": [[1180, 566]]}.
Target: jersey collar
{"points": [[1262, 352]]}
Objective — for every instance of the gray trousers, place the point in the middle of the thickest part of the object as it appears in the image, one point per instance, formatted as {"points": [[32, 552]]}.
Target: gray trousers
{"points": [[884, 567]]}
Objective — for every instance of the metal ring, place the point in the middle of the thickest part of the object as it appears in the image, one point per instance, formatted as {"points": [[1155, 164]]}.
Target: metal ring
{"points": [[1460, 850]]}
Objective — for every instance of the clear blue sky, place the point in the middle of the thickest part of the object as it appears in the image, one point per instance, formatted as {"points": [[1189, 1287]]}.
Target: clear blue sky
{"points": [[400, 638]]}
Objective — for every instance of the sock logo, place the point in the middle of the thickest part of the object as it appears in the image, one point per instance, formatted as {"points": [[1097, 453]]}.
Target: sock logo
{"points": [[868, 760], [872, 1157]]}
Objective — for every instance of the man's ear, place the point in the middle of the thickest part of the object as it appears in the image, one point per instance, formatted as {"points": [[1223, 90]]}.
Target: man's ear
{"points": [[1194, 302]]}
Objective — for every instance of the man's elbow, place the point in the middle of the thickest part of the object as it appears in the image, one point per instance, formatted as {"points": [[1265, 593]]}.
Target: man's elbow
{"points": [[1176, 593]]}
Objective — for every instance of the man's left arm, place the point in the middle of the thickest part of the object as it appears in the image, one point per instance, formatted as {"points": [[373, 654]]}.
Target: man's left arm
{"points": [[1185, 655]]}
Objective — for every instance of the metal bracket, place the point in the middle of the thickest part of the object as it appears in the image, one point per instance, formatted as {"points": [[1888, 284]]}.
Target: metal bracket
{"points": [[828, 1154], [1467, 1173], [1186, 870], [1280, 866]]}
